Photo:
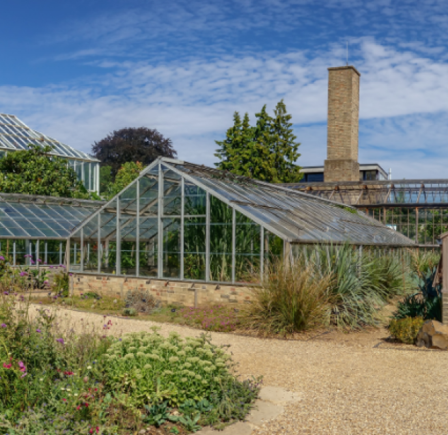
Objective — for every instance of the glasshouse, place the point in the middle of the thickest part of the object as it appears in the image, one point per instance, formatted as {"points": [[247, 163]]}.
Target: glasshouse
{"points": [[36, 228], [16, 136], [182, 221]]}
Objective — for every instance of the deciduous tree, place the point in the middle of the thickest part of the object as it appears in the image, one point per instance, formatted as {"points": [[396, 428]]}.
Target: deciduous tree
{"points": [[36, 172], [132, 145]]}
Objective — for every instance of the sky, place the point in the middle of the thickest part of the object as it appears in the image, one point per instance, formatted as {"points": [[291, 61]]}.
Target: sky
{"points": [[79, 70]]}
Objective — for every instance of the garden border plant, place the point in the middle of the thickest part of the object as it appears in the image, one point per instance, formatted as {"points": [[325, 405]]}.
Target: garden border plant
{"points": [[55, 379]]}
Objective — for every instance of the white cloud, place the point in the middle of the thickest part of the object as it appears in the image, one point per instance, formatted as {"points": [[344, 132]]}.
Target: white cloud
{"points": [[404, 103]]}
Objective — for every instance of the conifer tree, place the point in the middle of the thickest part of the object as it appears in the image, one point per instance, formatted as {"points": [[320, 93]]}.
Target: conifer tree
{"points": [[283, 147], [266, 152], [235, 150]]}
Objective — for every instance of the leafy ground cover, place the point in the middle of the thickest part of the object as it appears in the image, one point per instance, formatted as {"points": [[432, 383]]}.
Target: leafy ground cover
{"points": [[59, 378]]}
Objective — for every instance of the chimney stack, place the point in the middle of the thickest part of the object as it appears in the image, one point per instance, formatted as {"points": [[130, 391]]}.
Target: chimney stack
{"points": [[342, 128]]}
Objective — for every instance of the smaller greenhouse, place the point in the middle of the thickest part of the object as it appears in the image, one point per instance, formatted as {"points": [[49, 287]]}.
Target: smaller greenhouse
{"points": [[17, 136], [37, 227], [181, 221]]}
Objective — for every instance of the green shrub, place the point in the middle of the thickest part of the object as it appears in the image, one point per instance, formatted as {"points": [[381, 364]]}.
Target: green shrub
{"points": [[61, 283], [427, 303], [43, 368], [291, 298], [406, 329], [153, 369], [131, 312], [423, 262], [55, 381]]}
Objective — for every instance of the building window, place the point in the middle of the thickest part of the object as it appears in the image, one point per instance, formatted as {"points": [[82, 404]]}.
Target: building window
{"points": [[317, 177], [369, 175]]}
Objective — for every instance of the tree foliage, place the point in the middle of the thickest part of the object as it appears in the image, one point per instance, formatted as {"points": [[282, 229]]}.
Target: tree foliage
{"points": [[125, 175], [130, 145], [105, 179], [36, 172], [266, 152]]}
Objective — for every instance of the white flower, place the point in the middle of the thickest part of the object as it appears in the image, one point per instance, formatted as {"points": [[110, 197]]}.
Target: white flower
{"points": [[75, 394], [68, 389], [41, 379], [63, 389], [89, 367]]}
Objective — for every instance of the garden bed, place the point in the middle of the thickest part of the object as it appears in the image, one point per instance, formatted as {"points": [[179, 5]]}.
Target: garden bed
{"points": [[78, 378]]}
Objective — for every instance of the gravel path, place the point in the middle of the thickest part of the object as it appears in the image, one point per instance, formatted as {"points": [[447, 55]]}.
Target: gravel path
{"points": [[345, 387]]}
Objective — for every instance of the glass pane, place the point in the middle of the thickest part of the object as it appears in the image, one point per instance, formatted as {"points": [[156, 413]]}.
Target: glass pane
{"points": [[128, 258], [247, 244], [127, 201], [21, 251], [108, 254], [195, 199], [7, 250], [108, 222], [220, 240], [93, 167], [54, 251], [86, 175], [90, 257], [194, 248], [171, 248], [172, 193], [149, 193], [148, 247], [75, 251], [78, 169], [273, 246]]}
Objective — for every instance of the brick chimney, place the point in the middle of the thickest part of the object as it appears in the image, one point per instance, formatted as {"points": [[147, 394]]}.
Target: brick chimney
{"points": [[342, 128]]}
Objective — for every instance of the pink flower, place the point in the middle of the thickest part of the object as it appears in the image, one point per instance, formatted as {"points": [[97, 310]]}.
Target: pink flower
{"points": [[22, 367], [7, 366]]}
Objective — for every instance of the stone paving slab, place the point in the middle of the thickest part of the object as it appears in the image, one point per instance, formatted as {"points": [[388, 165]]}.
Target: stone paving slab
{"points": [[268, 407]]}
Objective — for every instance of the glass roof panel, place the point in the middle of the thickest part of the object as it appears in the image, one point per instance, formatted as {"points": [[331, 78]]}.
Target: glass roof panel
{"points": [[14, 134], [25, 216], [294, 216]]}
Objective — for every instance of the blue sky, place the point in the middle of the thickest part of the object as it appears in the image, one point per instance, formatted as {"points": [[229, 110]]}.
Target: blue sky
{"points": [[78, 70]]}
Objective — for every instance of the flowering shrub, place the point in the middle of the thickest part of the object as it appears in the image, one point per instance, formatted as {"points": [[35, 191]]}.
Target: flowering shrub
{"points": [[54, 380], [216, 318], [153, 369]]}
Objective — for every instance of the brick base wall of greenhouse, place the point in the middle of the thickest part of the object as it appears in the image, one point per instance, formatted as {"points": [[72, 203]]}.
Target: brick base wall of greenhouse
{"points": [[168, 292]]}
